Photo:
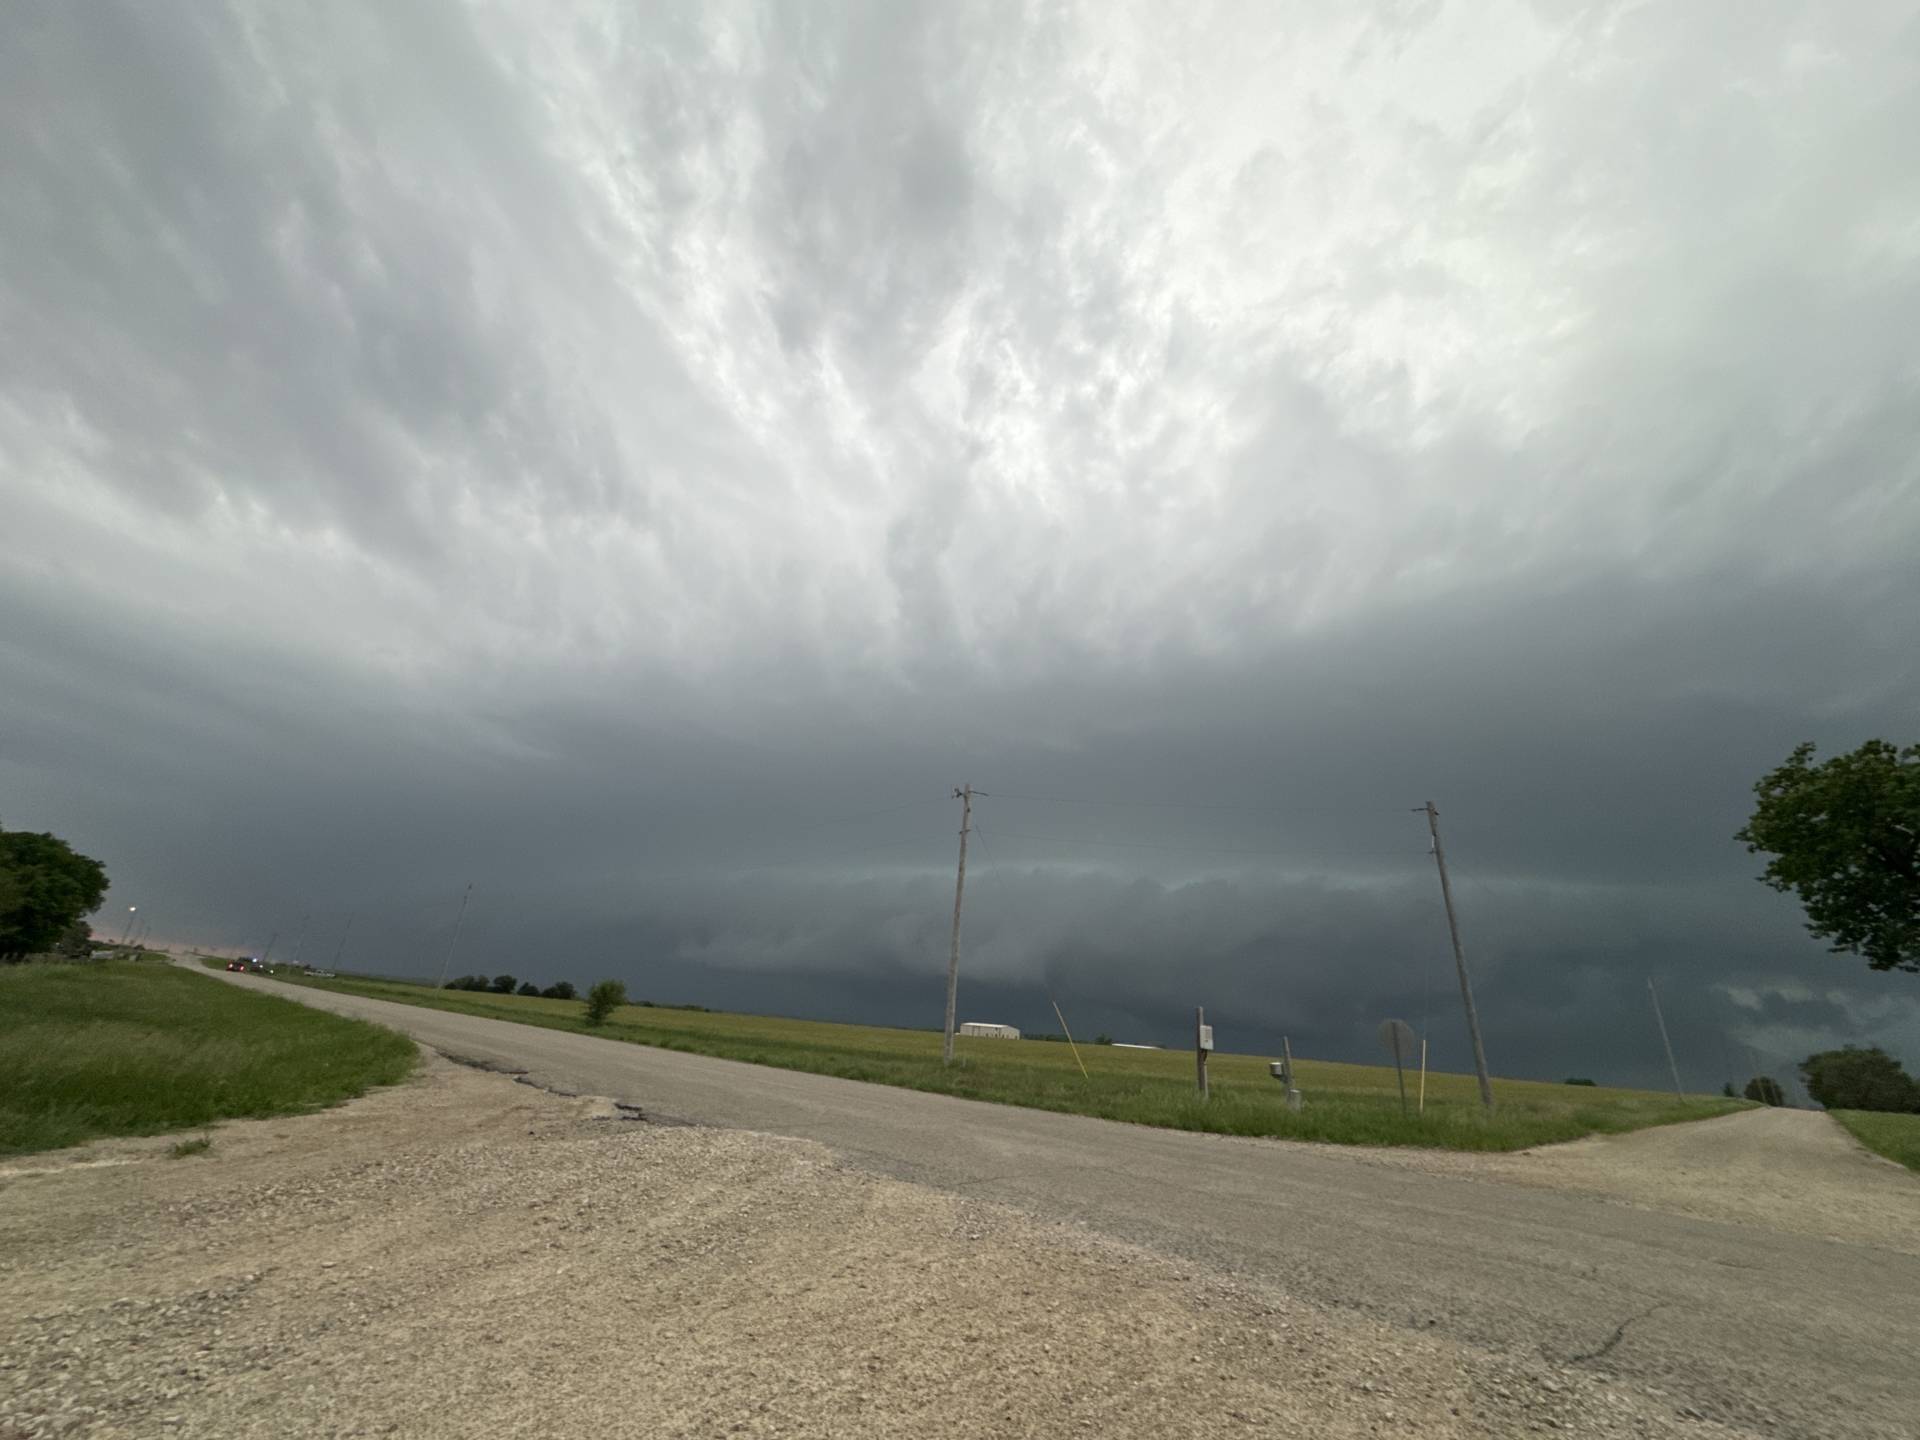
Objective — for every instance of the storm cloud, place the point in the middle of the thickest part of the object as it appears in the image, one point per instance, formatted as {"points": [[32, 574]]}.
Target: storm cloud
{"points": [[639, 459]]}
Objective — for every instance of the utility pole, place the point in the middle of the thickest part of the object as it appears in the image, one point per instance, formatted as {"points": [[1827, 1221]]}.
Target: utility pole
{"points": [[965, 796], [1460, 960], [300, 940], [343, 943], [1661, 1021], [448, 958]]}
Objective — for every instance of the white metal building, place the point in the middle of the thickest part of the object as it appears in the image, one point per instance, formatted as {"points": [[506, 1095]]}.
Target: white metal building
{"points": [[989, 1030]]}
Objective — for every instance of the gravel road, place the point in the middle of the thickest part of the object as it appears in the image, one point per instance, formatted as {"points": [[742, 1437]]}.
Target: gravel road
{"points": [[467, 1256], [1761, 1326]]}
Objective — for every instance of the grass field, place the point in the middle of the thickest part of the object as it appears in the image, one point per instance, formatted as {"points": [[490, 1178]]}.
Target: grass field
{"points": [[142, 1049], [1346, 1104], [1895, 1136]]}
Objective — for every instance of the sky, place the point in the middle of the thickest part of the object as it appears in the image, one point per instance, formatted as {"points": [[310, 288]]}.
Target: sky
{"points": [[638, 460]]}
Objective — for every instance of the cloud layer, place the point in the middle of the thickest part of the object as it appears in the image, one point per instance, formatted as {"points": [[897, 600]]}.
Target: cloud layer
{"points": [[640, 461]]}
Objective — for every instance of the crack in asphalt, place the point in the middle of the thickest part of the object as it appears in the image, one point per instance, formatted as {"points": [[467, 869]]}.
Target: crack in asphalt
{"points": [[1619, 1334]]}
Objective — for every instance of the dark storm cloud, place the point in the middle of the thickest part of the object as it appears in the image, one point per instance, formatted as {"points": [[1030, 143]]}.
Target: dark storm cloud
{"points": [[639, 463]]}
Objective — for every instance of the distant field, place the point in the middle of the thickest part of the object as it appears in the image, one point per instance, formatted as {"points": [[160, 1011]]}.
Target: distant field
{"points": [[1895, 1136], [142, 1049], [1346, 1104]]}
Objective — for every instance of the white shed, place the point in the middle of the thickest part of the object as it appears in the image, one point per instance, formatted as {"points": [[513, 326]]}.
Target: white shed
{"points": [[989, 1030]]}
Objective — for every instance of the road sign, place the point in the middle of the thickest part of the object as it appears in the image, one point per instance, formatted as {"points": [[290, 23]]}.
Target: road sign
{"points": [[1397, 1037]]}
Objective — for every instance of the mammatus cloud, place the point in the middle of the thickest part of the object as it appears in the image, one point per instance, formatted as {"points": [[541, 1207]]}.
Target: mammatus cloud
{"points": [[618, 457]]}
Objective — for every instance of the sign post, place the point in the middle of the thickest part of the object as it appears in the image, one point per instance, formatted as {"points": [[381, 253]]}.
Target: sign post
{"points": [[1397, 1036], [1202, 1046]]}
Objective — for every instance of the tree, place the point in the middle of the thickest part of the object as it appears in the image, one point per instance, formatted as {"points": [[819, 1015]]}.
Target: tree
{"points": [[527, 987], [502, 985], [1855, 1079], [559, 990], [46, 886], [1728, 1091], [1766, 1090], [1845, 837], [75, 942], [603, 999]]}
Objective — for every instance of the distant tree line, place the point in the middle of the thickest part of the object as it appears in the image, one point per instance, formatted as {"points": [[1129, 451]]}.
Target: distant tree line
{"points": [[509, 985]]}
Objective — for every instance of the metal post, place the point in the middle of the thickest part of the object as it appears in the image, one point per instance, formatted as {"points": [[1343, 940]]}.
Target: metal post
{"points": [[1200, 1047], [1661, 1021], [1460, 961], [447, 959], [965, 796]]}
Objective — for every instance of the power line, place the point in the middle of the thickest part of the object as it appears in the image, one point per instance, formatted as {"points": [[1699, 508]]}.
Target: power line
{"points": [[1188, 849], [1192, 805]]}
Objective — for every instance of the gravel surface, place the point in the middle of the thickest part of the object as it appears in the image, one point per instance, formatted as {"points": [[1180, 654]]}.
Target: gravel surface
{"points": [[1791, 1171], [465, 1256]]}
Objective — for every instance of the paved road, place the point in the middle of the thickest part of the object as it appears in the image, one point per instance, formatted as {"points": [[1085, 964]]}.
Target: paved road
{"points": [[1788, 1335]]}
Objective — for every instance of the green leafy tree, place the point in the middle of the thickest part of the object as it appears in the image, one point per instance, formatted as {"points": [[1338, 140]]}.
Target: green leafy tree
{"points": [[503, 984], [603, 999], [559, 990], [1728, 1091], [1853, 1078], [1766, 1090], [46, 887], [527, 987], [1845, 837]]}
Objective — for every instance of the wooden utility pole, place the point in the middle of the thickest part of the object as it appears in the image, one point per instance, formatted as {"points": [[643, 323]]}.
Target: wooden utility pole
{"points": [[1667, 1044], [447, 959], [1460, 961], [965, 796], [342, 949]]}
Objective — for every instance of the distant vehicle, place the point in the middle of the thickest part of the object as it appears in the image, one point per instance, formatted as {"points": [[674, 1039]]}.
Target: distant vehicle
{"points": [[248, 965]]}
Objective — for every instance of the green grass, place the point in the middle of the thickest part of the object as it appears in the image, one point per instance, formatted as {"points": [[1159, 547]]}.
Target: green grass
{"points": [[1895, 1136], [1346, 1104], [140, 1049]]}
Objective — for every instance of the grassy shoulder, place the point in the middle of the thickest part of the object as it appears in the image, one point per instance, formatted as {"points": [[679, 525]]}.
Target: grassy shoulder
{"points": [[1346, 1104], [139, 1049], [1895, 1136]]}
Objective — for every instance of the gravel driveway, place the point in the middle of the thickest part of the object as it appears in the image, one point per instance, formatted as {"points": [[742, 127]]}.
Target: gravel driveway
{"points": [[468, 1256]]}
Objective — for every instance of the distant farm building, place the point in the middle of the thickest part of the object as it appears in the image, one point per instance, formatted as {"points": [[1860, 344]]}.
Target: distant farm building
{"points": [[990, 1031]]}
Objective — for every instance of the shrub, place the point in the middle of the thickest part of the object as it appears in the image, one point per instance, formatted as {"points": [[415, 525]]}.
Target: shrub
{"points": [[603, 999], [1766, 1090], [503, 984], [1580, 1081], [527, 987], [559, 990]]}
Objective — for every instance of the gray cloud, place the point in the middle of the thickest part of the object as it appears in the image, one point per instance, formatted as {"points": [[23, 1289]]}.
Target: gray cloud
{"points": [[638, 461]]}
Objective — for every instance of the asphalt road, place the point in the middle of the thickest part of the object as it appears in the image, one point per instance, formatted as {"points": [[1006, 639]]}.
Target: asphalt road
{"points": [[1789, 1335]]}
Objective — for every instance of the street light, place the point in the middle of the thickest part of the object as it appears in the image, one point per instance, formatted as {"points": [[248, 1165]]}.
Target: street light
{"points": [[127, 933]]}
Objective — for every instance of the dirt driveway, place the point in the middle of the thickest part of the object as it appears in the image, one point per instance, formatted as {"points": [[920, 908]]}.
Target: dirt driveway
{"points": [[468, 1256], [1794, 1171]]}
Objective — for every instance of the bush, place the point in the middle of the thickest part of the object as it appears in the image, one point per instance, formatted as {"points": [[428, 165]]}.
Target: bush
{"points": [[559, 990], [527, 987], [603, 999], [1855, 1079], [502, 985], [1766, 1090], [1580, 1081]]}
